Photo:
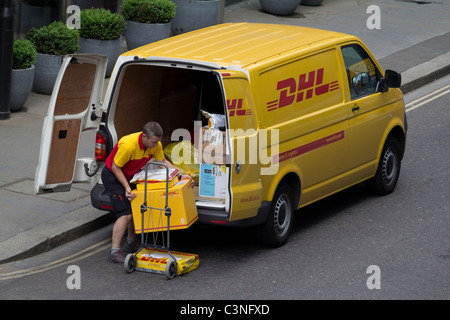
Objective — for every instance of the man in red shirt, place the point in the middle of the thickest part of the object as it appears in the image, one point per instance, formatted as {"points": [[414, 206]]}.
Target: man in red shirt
{"points": [[129, 156]]}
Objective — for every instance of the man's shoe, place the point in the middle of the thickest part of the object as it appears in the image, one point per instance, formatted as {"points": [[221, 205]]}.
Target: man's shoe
{"points": [[131, 248], [117, 257]]}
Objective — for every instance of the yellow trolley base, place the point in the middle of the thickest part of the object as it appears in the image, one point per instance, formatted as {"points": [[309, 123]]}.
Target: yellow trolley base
{"points": [[168, 263]]}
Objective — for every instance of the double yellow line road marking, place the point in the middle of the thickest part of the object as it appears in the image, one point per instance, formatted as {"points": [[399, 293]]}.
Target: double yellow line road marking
{"points": [[98, 247], [427, 98]]}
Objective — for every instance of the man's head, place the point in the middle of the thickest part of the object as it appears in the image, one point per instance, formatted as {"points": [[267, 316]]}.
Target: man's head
{"points": [[151, 134]]}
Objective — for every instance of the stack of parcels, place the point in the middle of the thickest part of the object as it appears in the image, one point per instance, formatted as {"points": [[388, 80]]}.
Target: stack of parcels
{"points": [[205, 164], [183, 155]]}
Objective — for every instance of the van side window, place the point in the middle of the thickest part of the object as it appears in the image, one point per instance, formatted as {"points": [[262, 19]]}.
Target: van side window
{"points": [[361, 72]]}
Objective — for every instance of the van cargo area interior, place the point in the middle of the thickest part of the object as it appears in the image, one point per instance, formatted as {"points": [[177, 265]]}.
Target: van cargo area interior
{"points": [[171, 96]]}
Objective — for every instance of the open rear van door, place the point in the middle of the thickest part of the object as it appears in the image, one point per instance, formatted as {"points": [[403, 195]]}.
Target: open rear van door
{"points": [[75, 106], [245, 184]]}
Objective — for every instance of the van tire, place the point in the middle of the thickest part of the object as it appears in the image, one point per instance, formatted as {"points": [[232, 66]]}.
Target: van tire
{"points": [[388, 169], [277, 227]]}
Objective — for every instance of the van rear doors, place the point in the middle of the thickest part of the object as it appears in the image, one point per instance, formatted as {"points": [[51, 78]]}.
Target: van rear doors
{"points": [[243, 131], [74, 107]]}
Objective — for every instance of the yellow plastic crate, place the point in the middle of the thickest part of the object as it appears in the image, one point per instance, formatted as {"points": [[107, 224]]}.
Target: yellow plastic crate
{"points": [[181, 201]]}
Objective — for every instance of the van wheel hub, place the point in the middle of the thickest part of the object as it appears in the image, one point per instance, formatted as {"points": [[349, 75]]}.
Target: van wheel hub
{"points": [[389, 169], [282, 215]]}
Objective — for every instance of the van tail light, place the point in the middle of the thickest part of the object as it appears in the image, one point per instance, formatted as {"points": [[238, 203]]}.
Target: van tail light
{"points": [[218, 221], [100, 147]]}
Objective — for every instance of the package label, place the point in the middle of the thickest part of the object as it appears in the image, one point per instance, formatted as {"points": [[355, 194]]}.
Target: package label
{"points": [[213, 181]]}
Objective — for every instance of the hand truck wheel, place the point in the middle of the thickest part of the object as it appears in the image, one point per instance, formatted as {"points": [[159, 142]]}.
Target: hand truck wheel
{"points": [[171, 269], [130, 262]]}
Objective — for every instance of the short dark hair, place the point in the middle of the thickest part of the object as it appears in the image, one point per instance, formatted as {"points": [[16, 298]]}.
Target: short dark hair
{"points": [[152, 128]]}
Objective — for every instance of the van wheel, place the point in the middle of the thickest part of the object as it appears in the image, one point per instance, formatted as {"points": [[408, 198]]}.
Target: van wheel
{"points": [[275, 231], [388, 170]]}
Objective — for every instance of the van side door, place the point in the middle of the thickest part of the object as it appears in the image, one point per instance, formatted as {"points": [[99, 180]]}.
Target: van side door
{"points": [[367, 108]]}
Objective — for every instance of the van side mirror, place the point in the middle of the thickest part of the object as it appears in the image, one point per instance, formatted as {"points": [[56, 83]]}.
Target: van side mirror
{"points": [[393, 79]]}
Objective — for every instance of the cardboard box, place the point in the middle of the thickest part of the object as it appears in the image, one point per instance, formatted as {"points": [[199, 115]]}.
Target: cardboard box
{"points": [[212, 146], [156, 179], [213, 181], [181, 201]]}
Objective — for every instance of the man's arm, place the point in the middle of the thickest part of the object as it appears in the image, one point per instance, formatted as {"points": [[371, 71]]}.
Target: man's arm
{"points": [[121, 177], [182, 176], [168, 163]]}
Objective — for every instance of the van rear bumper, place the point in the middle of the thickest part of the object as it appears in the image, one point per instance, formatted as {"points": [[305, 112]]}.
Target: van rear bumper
{"points": [[100, 200], [220, 217]]}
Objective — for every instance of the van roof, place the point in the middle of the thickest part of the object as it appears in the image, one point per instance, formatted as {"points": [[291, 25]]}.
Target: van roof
{"points": [[237, 44]]}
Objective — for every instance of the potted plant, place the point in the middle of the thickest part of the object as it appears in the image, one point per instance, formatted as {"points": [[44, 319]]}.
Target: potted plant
{"points": [[52, 42], [147, 21], [101, 33], [24, 57], [196, 14], [280, 7]]}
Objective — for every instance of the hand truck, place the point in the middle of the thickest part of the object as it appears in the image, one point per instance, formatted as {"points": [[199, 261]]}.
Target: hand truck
{"points": [[162, 261]]}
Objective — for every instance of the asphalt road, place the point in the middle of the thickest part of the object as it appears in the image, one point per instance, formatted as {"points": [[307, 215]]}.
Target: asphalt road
{"points": [[350, 246]]}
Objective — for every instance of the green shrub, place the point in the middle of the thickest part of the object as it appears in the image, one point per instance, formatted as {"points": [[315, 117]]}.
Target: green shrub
{"points": [[24, 54], [148, 11], [56, 38], [101, 24]]}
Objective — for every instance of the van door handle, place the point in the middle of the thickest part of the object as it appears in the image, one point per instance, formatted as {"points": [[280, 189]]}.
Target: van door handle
{"points": [[237, 168], [355, 108]]}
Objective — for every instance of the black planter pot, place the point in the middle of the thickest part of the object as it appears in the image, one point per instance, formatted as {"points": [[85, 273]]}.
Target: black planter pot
{"points": [[138, 34], [46, 70], [110, 48], [196, 14], [21, 85], [280, 7]]}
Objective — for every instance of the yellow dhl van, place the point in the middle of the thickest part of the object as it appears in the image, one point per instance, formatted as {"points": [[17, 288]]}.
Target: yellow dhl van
{"points": [[305, 112]]}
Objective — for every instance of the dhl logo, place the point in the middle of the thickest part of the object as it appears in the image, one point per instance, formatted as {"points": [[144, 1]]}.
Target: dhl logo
{"points": [[171, 193], [234, 107], [151, 259], [309, 84]]}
